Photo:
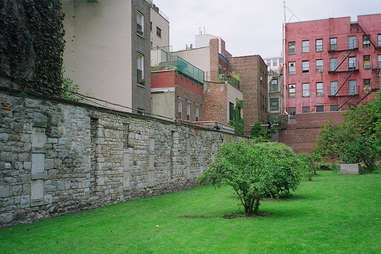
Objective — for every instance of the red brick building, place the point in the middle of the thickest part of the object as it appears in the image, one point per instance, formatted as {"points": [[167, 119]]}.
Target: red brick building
{"points": [[330, 65], [177, 91]]}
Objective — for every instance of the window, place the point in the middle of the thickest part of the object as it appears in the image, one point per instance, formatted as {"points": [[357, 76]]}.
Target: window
{"points": [[140, 68], [352, 87], [274, 104], [319, 89], [332, 64], [379, 40], [352, 42], [305, 46], [291, 68], [320, 108], [367, 64], [292, 112], [352, 63], [333, 88], [379, 61], [333, 44], [291, 48], [140, 23], [366, 41], [188, 110], [197, 113], [306, 109], [306, 90], [319, 45], [231, 110], [334, 108], [292, 90], [158, 32], [150, 26], [319, 65], [367, 85], [305, 66], [179, 110], [274, 86]]}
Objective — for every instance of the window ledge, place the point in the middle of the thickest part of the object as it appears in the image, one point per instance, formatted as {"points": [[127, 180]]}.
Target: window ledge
{"points": [[141, 85], [139, 35]]}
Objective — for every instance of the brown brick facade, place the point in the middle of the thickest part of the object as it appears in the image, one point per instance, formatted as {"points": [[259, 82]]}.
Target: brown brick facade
{"points": [[253, 73], [215, 99], [303, 132], [185, 96]]}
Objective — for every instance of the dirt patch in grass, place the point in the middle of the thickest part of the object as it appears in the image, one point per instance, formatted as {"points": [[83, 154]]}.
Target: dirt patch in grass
{"points": [[226, 216]]}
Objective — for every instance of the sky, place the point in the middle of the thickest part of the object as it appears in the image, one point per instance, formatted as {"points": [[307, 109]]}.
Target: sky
{"points": [[251, 27]]}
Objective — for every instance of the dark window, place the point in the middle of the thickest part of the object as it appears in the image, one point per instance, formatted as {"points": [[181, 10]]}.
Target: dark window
{"points": [[379, 40], [274, 104], [320, 108], [332, 64], [291, 48], [319, 45], [274, 87], [292, 112], [334, 88], [367, 85], [291, 68], [305, 66], [379, 61], [140, 23], [352, 65], [158, 32], [366, 41], [292, 90], [367, 64], [231, 111], [305, 46], [333, 44], [319, 89], [352, 87], [319, 65], [352, 42], [334, 108], [305, 109]]}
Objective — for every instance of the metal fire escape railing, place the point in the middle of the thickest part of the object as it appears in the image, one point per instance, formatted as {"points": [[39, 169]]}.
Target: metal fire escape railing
{"points": [[377, 72]]}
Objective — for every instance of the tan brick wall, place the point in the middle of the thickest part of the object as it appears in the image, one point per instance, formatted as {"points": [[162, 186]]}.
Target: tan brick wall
{"points": [[215, 101], [253, 73]]}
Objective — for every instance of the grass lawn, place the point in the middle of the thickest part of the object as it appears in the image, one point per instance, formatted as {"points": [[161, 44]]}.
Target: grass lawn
{"points": [[332, 214]]}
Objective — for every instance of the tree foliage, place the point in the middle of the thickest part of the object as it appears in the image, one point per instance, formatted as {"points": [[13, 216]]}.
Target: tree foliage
{"points": [[255, 171], [356, 140]]}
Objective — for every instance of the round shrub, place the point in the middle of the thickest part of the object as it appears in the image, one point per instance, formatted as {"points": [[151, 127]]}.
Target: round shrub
{"points": [[255, 171]]}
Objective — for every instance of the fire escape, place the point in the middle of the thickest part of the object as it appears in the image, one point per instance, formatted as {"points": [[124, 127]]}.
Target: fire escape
{"points": [[353, 67]]}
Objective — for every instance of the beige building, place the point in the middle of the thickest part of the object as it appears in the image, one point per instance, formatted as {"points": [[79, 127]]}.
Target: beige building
{"points": [[107, 51], [159, 27]]}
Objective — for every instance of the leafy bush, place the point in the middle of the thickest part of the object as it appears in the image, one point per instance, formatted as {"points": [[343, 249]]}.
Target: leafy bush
{"points": [[255, 171], [257, 131], [69, 88], [307, 165], [355, 140]]}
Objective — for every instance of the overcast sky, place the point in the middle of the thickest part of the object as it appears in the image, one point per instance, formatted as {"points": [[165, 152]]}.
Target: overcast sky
{"points": [[251, 26]]}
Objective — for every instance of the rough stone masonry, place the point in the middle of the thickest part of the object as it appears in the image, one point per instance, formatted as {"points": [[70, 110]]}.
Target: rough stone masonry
{"points": [[58, 157]]}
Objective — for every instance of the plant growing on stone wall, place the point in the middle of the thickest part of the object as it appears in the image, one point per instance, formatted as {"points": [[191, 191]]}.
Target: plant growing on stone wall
{"points": [[69, 88], [257, 131], [238, 123], [254, 171]]}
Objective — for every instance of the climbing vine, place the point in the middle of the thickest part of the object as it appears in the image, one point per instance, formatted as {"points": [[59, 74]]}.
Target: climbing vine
{"points": [[32, 44]]}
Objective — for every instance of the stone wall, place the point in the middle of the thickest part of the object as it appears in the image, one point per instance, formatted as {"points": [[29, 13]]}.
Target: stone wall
{"points": [[57, 157]]}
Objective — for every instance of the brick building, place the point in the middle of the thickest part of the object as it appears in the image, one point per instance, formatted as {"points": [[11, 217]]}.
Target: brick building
{"points": [[177, 89], [253, 74], [220, 99], [247, 73], [331, 64]]}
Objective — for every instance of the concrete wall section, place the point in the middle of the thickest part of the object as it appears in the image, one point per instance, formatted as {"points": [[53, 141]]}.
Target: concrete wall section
{"points": [[98, 51], [163, 103], [58, 158]]}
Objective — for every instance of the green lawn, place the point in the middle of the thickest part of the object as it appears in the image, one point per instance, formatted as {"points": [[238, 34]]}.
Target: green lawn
{"points": [[332, 214]]}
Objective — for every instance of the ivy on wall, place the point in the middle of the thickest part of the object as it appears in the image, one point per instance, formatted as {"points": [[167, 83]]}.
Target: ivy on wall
{"points": [[32, 44]]}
